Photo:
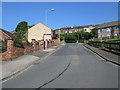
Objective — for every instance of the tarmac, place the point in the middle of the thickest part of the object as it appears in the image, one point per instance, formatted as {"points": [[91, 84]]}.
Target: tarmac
{"points": [[12, 67], [108, 56], [15, 66]]}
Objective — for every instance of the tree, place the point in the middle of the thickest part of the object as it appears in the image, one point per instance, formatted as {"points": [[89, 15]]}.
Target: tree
{"points": [[21, 33], [94, 32], [62, 38], [87, 35], [22, 27], [31, 26], [70, 38]]}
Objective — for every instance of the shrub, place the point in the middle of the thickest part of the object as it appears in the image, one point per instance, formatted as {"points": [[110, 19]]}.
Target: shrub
{"points": [[62, 38], [70, 39]]}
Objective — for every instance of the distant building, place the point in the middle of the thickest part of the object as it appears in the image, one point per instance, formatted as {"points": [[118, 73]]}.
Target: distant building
{"points": [[111, 30], [73, 29], [39, 32]]}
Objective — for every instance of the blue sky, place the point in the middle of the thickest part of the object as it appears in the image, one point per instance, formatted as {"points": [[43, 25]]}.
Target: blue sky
{"points": [[66, 13]]}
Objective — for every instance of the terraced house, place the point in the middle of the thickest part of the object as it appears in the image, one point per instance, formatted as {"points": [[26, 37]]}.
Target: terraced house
{"points": [[110, 30], [72, 29]]}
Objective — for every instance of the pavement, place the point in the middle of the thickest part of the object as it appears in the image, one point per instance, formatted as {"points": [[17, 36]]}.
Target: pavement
{"points": [[72, 66], [16, 66], [108, 56]]}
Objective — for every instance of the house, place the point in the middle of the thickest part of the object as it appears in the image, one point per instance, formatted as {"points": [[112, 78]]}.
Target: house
{"points": [[88, 28], [4, 36], [73, 29], [110, 30], [39, 32]]}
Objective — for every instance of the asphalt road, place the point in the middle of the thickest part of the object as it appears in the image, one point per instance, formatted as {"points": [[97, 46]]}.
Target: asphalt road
{"points": [[72, 66]]}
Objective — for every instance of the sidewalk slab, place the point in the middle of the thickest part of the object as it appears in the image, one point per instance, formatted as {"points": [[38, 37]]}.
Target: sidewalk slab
{"points": [[107, 55], [11, 67]]}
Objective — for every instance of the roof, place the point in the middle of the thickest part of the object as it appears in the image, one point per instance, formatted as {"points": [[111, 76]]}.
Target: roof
{"points": [[39, 24], [110, 24], [13, 32], [6, 32], [85, 26]]}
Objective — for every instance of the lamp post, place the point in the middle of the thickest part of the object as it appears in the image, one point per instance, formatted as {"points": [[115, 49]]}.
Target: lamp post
{"points": [[46, 18], [59, 31], [59, 34], [46, 21]]}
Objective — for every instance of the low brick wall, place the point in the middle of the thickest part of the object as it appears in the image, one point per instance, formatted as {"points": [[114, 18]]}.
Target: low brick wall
{"points": [[56, 41], [14, 52]]}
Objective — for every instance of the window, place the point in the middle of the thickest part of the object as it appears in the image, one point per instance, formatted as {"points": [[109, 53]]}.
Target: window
{"points": [[65, 31], [85, 29], [117, 27], [80, 29], [70, 31], [109, 35], [100, 30], [109, 29], [101, 35], [117, 34], [1, 39]]}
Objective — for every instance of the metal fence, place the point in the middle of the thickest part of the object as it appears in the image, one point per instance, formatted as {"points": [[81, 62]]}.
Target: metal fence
{"points": [[109, 45]]}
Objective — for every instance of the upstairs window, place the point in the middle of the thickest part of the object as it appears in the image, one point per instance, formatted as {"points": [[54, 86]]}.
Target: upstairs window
{"points": [[65, 31], [100, 30], [70, 31], [101, 36], [109, 29], [117, 27], [109, 35]]}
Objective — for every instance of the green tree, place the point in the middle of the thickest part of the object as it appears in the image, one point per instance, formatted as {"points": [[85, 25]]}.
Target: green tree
{"points": [[62, 38], [31, 26], [87, 35], [21, 33], [22, 27], [94, 33], [70, 38]]}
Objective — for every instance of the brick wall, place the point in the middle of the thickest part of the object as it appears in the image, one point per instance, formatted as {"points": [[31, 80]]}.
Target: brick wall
{"points": [[14, 52], [56, 41]]}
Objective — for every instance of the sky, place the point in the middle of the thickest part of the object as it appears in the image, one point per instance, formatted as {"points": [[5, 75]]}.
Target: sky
{"points": [[65, 14]]}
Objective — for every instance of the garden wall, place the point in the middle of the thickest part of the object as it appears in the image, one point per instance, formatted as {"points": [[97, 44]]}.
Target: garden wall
{"points": [[14, 52]]}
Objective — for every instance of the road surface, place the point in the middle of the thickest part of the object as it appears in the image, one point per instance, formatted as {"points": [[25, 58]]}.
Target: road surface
{"points": [[72, 66]]}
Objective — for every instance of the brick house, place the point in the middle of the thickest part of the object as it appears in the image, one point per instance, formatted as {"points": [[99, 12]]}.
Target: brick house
{"points": [[4, 36], [110, 30]]}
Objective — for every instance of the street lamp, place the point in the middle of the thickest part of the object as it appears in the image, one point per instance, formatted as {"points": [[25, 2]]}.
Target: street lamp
{"points": [[46, 19]]}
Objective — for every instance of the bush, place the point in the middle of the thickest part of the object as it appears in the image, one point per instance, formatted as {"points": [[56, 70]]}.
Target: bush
{"points": [[18, 44], [70, 39], [62, 38]]}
